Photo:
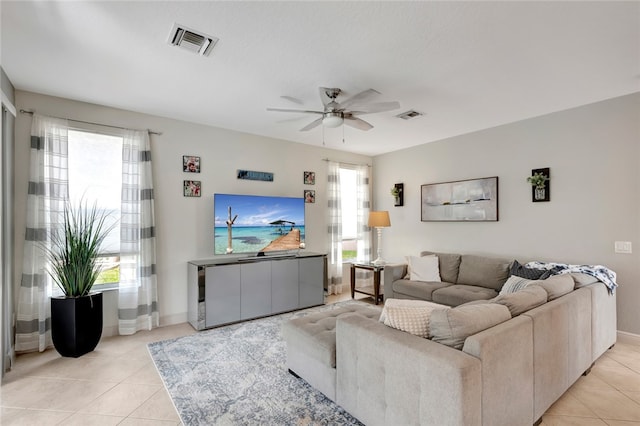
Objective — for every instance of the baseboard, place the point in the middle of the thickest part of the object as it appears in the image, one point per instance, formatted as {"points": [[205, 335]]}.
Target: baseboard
{"points": [[626, 333], [112, 330]]}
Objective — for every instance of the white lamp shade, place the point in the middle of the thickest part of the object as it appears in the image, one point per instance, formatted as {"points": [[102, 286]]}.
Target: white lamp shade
{"points": [[379, 219], [332, 119]]}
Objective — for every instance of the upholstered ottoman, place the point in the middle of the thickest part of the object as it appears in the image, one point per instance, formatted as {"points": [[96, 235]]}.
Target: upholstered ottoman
{"points": [[311, 345]]}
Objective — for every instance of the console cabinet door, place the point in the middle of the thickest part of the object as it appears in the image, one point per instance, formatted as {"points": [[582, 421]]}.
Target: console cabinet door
{"points": [[284, 285], [311, 278], [222, 294], [255, 290]]}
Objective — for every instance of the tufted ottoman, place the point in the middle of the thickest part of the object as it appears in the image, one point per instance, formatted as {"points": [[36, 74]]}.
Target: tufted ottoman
{"points": [[311, 345]]}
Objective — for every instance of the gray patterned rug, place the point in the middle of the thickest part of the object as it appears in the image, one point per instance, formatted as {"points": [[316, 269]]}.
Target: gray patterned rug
{"points": [[237, 375]]}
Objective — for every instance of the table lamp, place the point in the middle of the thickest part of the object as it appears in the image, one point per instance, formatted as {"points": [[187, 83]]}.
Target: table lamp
{"points": [[379, 220]]}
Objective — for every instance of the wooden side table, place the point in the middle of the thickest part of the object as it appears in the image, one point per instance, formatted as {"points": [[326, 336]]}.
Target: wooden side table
{"points": [[377, 296]]}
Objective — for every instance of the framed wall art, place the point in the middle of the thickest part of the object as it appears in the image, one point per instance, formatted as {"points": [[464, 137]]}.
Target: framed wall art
{"points": [[309, 196], [192, 188], [309, 178], [471, 200], [190, 164]]}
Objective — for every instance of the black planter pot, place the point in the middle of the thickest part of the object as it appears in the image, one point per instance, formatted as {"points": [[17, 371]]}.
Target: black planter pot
{"points": [[76, 324]]}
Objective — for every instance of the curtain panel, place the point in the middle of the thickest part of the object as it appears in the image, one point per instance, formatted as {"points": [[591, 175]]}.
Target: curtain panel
{"points": [[138, 288], [47, 193], [334, 228]]}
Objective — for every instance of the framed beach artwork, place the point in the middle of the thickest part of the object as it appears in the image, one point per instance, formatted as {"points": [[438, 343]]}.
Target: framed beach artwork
{"points": [[472, 200], [192, 188], [190, 164]]}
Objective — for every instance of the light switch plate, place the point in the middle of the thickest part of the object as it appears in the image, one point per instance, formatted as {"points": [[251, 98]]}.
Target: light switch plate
{"points": [[624, 247]]}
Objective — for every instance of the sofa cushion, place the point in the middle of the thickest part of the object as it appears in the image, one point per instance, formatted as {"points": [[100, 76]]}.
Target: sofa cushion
{"points": [[448, 263], [529, 273], [557, 285], [452, 326], [458, 294], [423, 268], [411, 316], [483, 271], [515, 283], [416, 289], [523, 300]]}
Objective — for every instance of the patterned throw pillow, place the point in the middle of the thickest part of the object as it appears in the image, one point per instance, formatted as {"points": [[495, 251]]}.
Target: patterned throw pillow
{"points": [[411, 316], [529, 273], [515, 283]]}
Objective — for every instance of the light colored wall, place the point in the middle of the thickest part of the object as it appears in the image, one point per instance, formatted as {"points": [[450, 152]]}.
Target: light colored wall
{"points": [[185, 225], [593, 153]]}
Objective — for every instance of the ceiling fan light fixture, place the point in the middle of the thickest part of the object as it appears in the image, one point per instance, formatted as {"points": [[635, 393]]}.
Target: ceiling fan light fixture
{"points": [[332, 119]]}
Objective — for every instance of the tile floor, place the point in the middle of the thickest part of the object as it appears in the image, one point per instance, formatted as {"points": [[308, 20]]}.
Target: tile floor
{"points": [[117, 384]]}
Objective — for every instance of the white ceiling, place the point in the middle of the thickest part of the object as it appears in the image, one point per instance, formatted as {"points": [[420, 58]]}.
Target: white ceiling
{"points": [[466, 65]]}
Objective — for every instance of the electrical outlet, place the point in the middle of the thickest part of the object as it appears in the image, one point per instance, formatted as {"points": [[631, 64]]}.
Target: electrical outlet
{"points": [[624, 247]]}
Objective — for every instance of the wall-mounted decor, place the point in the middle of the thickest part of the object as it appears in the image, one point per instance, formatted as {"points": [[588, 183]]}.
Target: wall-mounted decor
{"points": [[309, 196], [251, 175], [397, 191], [471, 200], [309, 178], [192, 188], [540, 181], [190, 164]]}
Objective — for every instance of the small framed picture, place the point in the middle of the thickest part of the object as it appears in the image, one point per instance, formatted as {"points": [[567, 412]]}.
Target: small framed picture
{"points": [[190, 164], [309, 196], [309, 178], [192, 188]]}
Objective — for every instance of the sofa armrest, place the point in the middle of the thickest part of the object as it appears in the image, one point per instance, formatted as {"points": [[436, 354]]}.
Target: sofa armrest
{"points": [[392, 273], [386, 376]]}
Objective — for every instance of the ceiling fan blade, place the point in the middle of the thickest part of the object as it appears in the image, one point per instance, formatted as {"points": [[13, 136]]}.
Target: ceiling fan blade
{"points": [[303, 111], [292, 99], [314, 123], [376, 107], [359, 97], [358, 123]]}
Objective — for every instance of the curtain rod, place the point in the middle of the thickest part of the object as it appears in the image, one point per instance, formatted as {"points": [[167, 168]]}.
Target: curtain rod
{"points": [[344, 162], [24, 111]]}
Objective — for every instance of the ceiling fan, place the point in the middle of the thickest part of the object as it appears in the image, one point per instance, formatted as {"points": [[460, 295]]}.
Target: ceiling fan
{"points": [[347, 112]]}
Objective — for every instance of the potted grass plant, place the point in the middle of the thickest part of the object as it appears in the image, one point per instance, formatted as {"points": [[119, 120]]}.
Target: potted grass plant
{"points": [[76, 317]]}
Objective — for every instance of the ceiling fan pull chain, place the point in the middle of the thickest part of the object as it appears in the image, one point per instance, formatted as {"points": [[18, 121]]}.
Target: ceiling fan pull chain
{"points": [[322, 135], [343, 132]]}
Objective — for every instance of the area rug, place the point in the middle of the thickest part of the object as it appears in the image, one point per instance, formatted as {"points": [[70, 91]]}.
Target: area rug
{"points": [[237, 375]]}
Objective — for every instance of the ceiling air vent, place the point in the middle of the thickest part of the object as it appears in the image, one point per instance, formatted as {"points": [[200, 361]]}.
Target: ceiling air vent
{"points": [[408, 115], [191, 40]]}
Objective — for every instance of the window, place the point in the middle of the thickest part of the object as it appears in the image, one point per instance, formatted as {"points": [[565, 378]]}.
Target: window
{"points": [[95, 175], [348, 198]]}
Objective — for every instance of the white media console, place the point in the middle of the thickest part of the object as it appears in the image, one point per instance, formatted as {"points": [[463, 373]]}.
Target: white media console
{"points": [[229, 289]]}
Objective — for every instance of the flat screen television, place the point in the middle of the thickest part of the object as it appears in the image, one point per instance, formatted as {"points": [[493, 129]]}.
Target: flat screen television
{"points": [[257, 224]]}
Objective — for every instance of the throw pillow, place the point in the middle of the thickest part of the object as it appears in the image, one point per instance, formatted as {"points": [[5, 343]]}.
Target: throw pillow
{"points": [[411, 316], [520, 270], [523, 300], [424, 268], [557, 285], [515, 283], [452, 326]]}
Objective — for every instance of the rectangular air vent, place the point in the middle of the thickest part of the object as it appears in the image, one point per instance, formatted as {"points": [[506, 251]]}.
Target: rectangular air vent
{"points": [[191, 40], [408, 115]]}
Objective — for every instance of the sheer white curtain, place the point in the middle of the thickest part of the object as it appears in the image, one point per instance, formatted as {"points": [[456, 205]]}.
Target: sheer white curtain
{"points": [[334, 228], [47, 192], [363, 206], [334, 208], [138, 289]]}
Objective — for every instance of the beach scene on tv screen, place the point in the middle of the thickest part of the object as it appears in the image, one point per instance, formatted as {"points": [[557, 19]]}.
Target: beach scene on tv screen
{"points": [[255, 223]]}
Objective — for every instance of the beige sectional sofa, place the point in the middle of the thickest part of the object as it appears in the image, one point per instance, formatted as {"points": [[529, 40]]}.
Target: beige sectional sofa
{"points": [[507, 374]]}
